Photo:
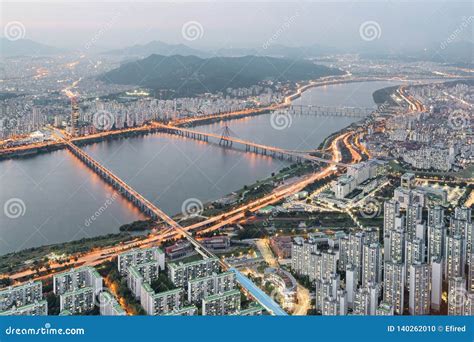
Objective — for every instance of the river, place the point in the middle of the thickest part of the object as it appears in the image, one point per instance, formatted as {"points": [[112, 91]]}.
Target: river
{"points": [[60, 199]]}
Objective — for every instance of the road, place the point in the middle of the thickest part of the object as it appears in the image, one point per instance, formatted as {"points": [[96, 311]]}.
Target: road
{"points": [[304, 301], [267, 254], [302, 293], [202, 118], [214, 223]]}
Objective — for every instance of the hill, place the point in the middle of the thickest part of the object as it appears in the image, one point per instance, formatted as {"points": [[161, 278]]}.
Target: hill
{"points": [[191, 75], [25, 47], [158, 48]]}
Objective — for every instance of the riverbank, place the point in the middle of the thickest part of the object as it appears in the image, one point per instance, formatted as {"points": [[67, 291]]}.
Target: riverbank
{"points": [[26, 152], [261, 186]]}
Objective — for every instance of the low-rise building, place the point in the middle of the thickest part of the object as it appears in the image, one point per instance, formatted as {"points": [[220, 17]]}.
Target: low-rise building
{"points": [[216, 242], [281, 246], [180, 249], [285, 283]]}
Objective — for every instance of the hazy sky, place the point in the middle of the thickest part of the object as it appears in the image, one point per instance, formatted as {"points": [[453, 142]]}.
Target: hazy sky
{"points": [[110, 24]]}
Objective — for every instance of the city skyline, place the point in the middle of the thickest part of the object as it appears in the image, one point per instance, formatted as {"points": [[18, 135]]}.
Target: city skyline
{"points": [[237, 174]]}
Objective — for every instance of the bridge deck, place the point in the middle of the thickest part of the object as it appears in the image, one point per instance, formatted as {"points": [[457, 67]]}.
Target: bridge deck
{"points": [[265, 300], [258, 294], [272, 149]]}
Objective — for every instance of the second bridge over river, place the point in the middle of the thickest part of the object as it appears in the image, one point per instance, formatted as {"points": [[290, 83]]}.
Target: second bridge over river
{"points": [[155, 213], [225, 140]]}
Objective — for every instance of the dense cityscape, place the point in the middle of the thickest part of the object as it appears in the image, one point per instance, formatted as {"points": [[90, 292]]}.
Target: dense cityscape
{"points": [[364, 210]]}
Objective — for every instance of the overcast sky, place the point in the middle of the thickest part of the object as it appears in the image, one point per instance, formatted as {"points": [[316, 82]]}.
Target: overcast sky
{"points": [[110, 24]]}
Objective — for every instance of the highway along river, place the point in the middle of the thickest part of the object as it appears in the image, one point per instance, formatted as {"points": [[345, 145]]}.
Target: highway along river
{"points": [[63, 200]]}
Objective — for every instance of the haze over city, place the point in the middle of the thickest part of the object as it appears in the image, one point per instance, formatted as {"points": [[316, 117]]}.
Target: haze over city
{"points": [[239, 23]]}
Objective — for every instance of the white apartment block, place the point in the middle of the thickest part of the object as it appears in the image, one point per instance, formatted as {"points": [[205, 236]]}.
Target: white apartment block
{"points": [[226, 303], [394, 284], [419, 290], [37, 308], [140, 256], [21, 295], [180, 273], [76, 279], [78, 301], [161, 303], [200, 288], [142, 273]]}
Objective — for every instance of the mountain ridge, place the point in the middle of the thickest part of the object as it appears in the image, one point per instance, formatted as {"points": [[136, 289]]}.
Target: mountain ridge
{"points": [[191, 75]]}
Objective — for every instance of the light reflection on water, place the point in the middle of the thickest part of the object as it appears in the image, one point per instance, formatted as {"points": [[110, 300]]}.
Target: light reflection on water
{"points": [[60, 193]]}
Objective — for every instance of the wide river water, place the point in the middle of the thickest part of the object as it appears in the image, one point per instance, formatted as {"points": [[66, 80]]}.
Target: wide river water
{"points": [[63, 200]]}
